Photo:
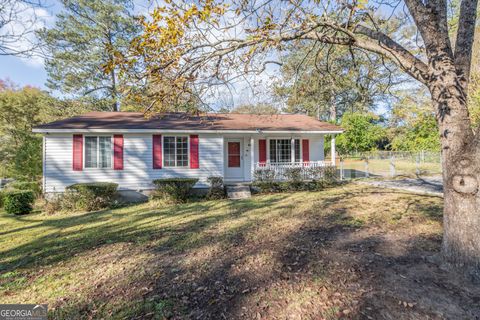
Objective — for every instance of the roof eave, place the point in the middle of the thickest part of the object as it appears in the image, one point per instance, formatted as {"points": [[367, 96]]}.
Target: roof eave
{"points": [[96, 130]]}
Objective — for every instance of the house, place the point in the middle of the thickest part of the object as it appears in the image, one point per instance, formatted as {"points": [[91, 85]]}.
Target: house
{"points": [[131, 150]]}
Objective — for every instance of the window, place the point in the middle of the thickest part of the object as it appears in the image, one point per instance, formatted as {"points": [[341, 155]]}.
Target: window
{"points": [[175, 150], [281, 150], [98, 152]]}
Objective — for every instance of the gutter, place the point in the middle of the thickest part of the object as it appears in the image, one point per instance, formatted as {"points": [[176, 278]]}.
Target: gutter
{"points": [[47, 131]]}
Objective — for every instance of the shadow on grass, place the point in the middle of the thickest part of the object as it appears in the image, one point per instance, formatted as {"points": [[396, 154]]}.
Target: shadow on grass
{"points": [[67, 236], [271, 257]]}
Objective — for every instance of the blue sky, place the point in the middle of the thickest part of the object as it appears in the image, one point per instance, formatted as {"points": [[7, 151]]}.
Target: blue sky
{"points": [[21, 72]]}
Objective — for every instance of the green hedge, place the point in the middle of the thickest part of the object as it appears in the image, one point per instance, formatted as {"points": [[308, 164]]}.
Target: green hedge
{"points": [[175, 189], [89, 196], [26, 185], [19, 202]]}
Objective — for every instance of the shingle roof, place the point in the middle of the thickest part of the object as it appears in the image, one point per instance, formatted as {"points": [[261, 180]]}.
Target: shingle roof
{"points": [[182, 121]]}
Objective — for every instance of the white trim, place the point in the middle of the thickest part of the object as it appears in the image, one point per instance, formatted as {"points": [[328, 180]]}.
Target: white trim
{"points": [[163, 151], [252, 157], [241, 169], [98, 152], [292, 146], [44, 163], [332, 148], [120, 131]]}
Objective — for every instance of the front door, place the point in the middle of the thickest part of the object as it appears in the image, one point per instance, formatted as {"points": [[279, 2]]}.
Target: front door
{"points": [[233, 159]]}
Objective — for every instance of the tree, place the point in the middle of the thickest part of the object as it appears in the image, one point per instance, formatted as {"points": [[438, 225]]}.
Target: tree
{"points": [[20, 110], [189, 45], [18, 21], [412, 123], [82, 43], [362, 133], [326, 84]]}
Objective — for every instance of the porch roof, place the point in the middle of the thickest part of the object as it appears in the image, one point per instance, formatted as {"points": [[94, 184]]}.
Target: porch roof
{"points": [[182, 122]]}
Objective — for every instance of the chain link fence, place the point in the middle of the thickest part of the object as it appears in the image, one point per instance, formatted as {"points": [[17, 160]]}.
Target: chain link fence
{"points": [[389, 164]]}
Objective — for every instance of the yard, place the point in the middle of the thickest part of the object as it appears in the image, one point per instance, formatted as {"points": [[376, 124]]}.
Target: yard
{"points": [[353, 251]]}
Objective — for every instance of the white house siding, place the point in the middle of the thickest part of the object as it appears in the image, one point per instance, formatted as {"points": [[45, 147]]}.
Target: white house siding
{"points": [[138, 171]]}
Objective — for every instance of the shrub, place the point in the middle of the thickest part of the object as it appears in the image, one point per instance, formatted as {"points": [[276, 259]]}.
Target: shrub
{"points": [[294, 174], [54, 204], [328, 173], [89, 196], [217, 189], [264, 179], [19, 201], [295, 178], [264, 175], [26, 185], [175, 189], [1, 198]]}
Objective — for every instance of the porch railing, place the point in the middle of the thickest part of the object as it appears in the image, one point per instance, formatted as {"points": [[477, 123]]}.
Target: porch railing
{"points": [[308, 170]]}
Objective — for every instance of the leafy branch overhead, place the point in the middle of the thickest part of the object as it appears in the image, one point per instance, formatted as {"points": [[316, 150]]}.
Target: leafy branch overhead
{"points": [[194, 47]]}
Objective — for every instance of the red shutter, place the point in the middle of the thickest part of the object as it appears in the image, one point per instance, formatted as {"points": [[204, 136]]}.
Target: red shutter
{"points": [[118, 152], [77, 152], [157, 151], [305, 150], [262, 151], [194, 163]]}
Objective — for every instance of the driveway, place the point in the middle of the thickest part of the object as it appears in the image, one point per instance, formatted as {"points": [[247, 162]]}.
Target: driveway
{"points": [[426, 185]]}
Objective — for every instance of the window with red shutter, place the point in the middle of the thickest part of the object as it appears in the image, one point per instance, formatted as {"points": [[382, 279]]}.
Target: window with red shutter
{"points": [[194, 157], [262, 151], [305, 150], [77, 152], [118, 152], [157, 151]]}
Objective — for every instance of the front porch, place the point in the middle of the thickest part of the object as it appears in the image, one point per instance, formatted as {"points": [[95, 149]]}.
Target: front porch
{"points": [[245, 157]]}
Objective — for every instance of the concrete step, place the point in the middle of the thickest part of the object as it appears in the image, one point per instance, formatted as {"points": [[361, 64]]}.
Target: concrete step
{"points": [[238, 192]]}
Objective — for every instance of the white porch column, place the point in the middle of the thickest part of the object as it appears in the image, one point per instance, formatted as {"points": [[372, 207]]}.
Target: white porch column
{"points": [[252, 157], [292, 150], [332, 148]]}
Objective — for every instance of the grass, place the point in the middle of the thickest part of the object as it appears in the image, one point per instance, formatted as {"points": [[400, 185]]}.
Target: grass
{"points": [[281, 255]]}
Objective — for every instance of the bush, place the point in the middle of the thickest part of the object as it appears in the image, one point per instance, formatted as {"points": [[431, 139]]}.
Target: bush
{"points": [[1, 198], [26, 185], [175, 189], [217, 189], [54, 204], [264, 175], [19, 202], [89, 196], [328, 173], [295, 178]]}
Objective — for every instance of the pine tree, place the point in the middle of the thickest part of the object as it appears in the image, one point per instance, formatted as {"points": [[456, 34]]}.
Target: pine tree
{"points": [[81, 44]]}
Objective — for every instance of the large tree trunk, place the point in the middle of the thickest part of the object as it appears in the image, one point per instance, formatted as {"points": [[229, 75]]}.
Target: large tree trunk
{"points": [[461, 172]]}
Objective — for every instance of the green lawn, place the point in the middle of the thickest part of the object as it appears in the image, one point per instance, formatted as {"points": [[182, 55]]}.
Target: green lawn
{"points": [[329, 254]]}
